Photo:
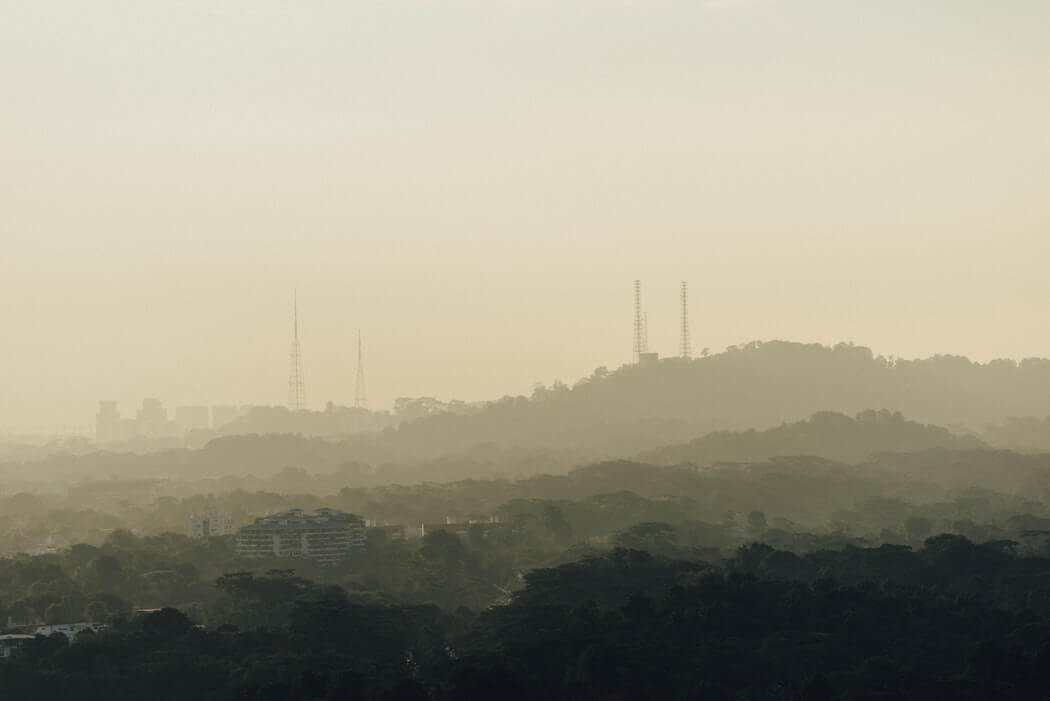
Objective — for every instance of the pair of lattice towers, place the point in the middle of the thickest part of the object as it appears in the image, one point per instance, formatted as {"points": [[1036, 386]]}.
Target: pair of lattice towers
{"points": [[296, 380], [641, 327]]}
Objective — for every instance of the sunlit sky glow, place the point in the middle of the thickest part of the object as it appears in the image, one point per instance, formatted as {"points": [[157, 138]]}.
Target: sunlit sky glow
{"points": [[475, 185]]}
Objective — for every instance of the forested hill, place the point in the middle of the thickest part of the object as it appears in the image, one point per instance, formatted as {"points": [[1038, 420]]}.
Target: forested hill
{"points": [[826, 434], [637, 408], [621, 413]]}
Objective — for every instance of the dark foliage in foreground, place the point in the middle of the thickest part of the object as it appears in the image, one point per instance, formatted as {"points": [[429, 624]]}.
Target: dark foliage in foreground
{"points": [[880, 623]]}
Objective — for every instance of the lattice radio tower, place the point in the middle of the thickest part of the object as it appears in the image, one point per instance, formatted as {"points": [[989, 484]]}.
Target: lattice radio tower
{"points": [[360, 400], [685, 350], [296, 384], [639, 323]]}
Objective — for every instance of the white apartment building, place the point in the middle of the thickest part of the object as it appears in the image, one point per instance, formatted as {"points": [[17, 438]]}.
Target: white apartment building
{"points": [[326, 535]]}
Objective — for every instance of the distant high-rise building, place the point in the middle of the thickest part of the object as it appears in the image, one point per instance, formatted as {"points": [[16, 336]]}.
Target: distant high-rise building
{"points": [[152, 420], [152, 410], [106, 421], [192, 418]]}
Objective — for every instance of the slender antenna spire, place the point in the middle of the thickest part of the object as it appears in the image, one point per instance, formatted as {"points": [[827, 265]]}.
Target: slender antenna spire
{"points": [[645, 332], [685, 349], [296, 385], [639, 327], [360, 400]]}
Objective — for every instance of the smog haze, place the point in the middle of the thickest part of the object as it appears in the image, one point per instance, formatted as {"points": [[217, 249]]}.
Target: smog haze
{"points": [[474, 185]]}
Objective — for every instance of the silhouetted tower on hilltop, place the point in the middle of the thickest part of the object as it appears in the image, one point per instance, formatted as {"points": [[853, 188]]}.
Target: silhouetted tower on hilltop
{"points": [[639, 323], [685, 350], [360, 400], [296, 384]]}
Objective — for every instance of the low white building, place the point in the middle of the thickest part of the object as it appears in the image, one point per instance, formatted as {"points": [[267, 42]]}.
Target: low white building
{"points": [[11, 644], [69, 630]]}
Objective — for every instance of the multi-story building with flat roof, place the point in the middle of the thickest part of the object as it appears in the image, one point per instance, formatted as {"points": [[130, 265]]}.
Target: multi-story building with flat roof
{"points": [[106, 421], [326, 535]]}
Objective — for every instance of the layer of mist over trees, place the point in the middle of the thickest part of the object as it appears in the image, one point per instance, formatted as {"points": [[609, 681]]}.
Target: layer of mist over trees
{"points": [[747, 525], [611, 414], [616, 413]]}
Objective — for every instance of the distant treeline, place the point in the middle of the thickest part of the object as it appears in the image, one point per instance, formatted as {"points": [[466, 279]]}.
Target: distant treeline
{"points": [[826, 434], [983, 494], [272, 459], [621, 413]]}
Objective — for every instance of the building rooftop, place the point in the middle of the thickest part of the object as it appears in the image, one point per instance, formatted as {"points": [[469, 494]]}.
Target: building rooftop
{"points": [[297, 518]]}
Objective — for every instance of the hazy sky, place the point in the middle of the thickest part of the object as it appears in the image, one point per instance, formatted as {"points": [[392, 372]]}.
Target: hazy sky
{"points": [[475, 184]]}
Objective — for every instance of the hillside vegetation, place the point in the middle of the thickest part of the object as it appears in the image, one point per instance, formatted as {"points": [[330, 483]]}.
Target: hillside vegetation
{"points": [[826, 434]]}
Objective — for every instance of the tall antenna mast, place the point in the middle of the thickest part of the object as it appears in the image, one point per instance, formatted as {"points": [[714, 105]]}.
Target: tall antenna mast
{"points": [[645, 332], [639, 324], [685, 349], [296, 385], [360, 401]]}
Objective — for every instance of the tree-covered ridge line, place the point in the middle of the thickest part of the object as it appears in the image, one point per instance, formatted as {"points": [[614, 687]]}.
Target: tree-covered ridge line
{"points": [[618, 413], [826, 434], [980, 486]]}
